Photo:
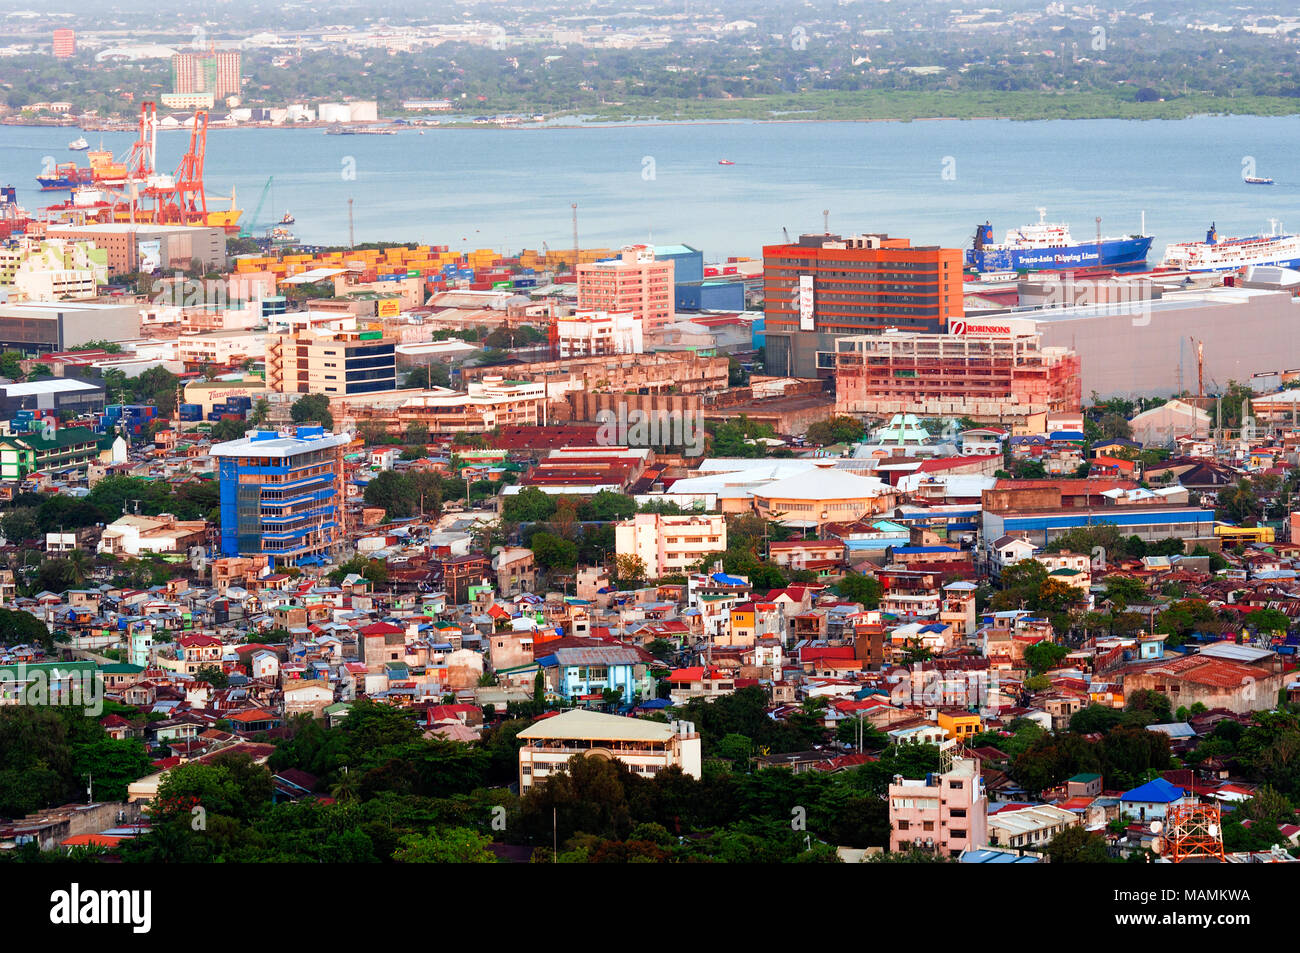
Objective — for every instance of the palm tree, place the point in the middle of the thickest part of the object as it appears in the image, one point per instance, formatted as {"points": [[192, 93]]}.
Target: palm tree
{"points": [[345, 789], [81, 562]]}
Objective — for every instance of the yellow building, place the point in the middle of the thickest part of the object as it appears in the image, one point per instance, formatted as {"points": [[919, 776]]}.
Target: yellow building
{"points": [[1243, 534], [960, 725]]}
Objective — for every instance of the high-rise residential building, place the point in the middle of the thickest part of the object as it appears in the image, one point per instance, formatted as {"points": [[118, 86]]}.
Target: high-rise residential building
{"points": [[65, 43], [635, 281], [824, 287], [335, 364], [212, 71], [281, 494]]}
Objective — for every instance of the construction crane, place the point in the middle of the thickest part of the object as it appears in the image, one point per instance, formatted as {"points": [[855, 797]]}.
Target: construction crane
{"points": [[246, 230]]}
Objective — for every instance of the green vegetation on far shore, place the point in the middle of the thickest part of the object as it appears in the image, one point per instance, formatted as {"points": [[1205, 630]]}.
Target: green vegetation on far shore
{"points": [[901, 105]]}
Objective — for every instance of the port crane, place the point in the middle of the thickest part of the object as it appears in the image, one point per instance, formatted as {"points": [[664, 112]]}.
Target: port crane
{"points": [[247, 230]]}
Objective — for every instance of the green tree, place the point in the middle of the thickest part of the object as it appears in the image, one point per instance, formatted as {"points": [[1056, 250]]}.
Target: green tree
{"points": [[1074, 845], [453, 845], [863, 589], [529, 505], [313, 407], [1043, 656], [553, 552]]}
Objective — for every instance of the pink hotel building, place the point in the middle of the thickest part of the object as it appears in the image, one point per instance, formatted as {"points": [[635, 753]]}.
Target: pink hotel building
{"points": [[945, 813], [635, 281]]}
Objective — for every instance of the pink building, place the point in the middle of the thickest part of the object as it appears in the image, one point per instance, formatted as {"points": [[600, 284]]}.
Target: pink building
{"points": [[946, 812], [635, 281]]}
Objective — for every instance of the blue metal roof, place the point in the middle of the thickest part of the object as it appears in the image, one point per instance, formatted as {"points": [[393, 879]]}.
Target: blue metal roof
{"points": [[1158, 791], [1096, 517], [985, 856]]}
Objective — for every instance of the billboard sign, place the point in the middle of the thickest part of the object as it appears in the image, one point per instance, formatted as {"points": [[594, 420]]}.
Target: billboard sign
{"points": [[805, 302], [150, 256]]}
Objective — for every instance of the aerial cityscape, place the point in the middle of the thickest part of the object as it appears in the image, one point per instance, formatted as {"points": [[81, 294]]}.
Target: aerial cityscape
{"points": [[509, 432]]}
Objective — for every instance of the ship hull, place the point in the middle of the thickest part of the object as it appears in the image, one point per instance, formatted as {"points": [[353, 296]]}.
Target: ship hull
{"points": [[1281, 261], [1111, 253]]}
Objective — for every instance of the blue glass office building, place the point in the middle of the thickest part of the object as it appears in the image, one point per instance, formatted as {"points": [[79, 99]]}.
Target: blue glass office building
{"points": [[282, 494]]}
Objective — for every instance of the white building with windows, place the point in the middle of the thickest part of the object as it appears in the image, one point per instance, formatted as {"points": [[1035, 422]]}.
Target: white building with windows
{"points": [[646, 747]]}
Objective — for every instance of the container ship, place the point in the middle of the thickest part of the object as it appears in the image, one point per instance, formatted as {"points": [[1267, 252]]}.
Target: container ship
{"points": [[13, 217], [1229, 254], [67, 176], [1045, 246]]}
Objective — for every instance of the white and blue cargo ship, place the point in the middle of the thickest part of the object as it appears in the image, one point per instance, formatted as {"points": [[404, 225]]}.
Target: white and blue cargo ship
{"points": [[1047, 246], [1276, 247]]}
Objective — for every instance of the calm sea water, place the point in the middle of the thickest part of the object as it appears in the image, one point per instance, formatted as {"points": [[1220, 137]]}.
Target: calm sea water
{"points": [[929, 181]]}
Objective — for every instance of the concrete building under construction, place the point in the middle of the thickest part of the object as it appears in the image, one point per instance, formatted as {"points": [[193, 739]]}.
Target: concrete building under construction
{"points": [[993, 372]]}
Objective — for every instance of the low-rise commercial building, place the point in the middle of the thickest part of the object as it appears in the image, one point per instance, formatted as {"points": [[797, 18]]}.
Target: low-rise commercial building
{"points": [[44, 327], [993, 372]]}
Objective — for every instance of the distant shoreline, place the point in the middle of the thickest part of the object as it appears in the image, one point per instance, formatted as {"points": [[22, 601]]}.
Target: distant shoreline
{"points": [[417, 124]]}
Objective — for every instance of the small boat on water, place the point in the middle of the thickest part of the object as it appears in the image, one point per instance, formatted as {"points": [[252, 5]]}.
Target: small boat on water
{"points": [[79, 144], [288, 218], [1256, 180], [725, 162]]}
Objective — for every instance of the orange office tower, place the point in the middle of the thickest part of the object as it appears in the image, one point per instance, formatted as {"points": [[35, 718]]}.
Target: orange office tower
{"points": [[824, 287], [65, 43]]}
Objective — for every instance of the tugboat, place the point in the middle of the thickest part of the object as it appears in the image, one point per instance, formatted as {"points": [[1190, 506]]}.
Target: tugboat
{"points": [[288, 218], [725, 162]]}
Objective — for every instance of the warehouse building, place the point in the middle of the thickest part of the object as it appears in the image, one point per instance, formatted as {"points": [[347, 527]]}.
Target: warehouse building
{"points": [[1143, 348], [1150, 522], [55, 394], [148, 248], [43, 327]]}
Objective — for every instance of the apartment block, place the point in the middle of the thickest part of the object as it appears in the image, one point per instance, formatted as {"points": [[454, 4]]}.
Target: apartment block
{"points": [[944, 813], [668, 545], [646, 747], [599, 333], [635, 281]]}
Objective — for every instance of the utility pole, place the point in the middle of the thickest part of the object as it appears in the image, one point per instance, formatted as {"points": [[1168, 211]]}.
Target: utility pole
{"points": [[351, 238], [826, 221], [575, 241]]}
